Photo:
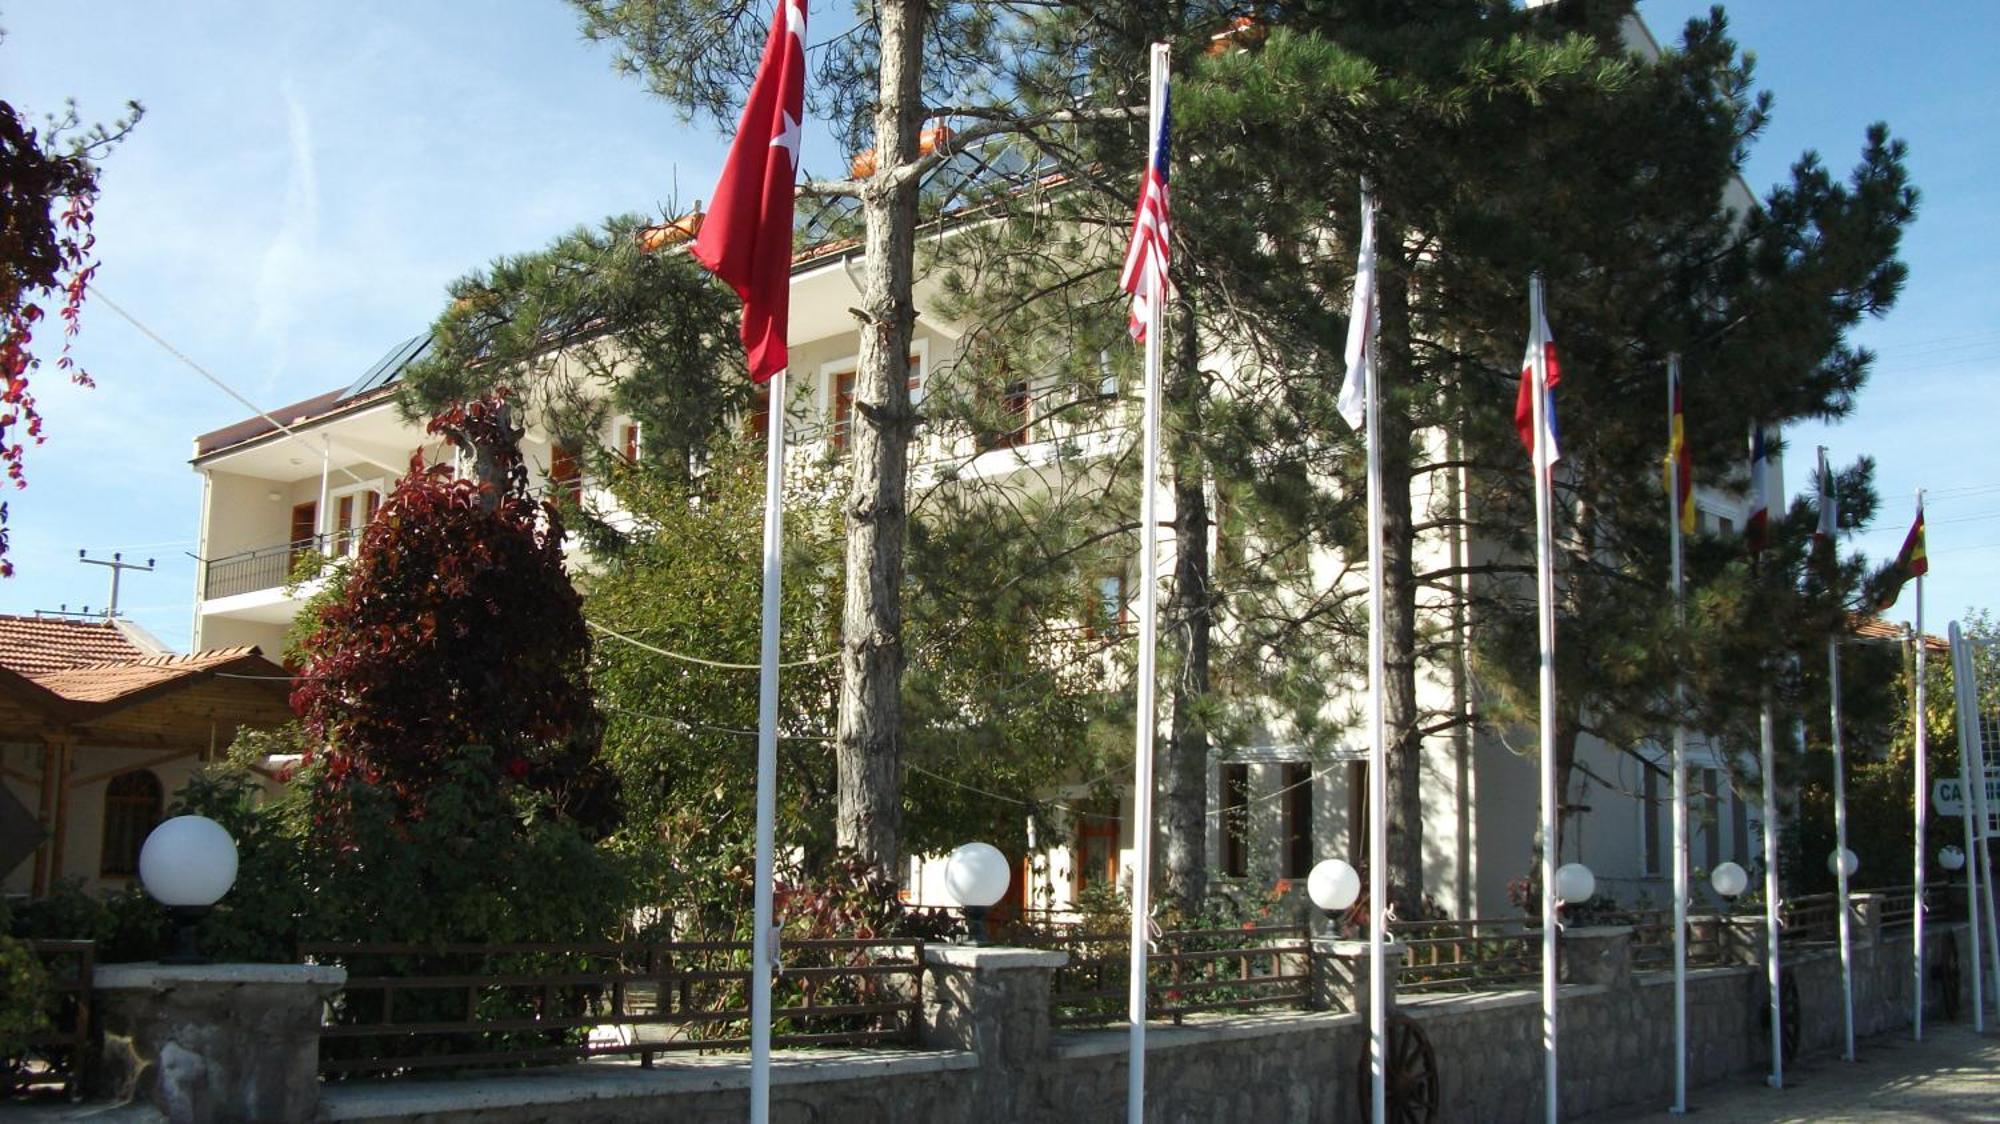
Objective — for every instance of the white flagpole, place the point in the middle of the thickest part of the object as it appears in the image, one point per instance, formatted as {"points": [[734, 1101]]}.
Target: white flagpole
{"points": [[1378, 743], [762, 950], [1680, 757], [1982, 814], [1546, 625], [1142, 796], [1840, 820], [1968, 724], [1923, 797], [1767, 750]]}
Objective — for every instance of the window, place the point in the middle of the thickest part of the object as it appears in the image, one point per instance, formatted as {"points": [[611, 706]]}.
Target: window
{"points": [[305, 532], [131, 811], [628, 443], [1097, 844], [1107, 376], [1739, 828], [842, 406], [757, 423], [1711, 820], [565, 473], [1649, 823], [1298, 819], [1109, 612], [1725, 525], [1015, 415], [1236, 820], [352, 512], [1357, 814]]}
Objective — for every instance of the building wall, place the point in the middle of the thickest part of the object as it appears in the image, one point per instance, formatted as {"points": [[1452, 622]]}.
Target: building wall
{"points": [[84, 810]]}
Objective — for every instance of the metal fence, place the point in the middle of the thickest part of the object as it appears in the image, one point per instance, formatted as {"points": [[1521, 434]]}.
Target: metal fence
{"points": [[469, 1006], [1653, 941], [267, 567], [1188, 971], [1475, 954]]}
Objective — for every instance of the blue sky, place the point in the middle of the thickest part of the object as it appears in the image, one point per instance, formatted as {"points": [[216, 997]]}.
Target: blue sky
{"points": [[309, 178]]}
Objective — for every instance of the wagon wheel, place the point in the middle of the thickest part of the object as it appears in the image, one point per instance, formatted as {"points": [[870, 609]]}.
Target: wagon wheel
{"points": [[1411, 1083], [1945, 973], [1788, 1013]]}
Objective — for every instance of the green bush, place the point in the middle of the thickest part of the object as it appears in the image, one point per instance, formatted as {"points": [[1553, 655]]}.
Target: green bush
{"points": [[24, 996]]}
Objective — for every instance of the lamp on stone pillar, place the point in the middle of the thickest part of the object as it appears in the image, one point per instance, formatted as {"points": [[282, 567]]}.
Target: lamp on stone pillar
{"points": [[1842, 857], [1333, 886], [1729, 881], [1575, 884], [187, 864], [975, 877], [1951, 858]]}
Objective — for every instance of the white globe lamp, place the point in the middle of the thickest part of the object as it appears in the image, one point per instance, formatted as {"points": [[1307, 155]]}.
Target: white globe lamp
{"points": [[976, 876], [1574, 883], [1951, 858], [1729, 879], [187, 864], [1333, 885], [1843, 858]]}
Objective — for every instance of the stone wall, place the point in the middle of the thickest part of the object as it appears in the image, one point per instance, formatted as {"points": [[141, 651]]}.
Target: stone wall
{"points": [[990, 1055]]}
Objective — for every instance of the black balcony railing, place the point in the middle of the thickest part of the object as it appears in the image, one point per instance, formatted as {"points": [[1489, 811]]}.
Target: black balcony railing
{"points": [[267, 567]]}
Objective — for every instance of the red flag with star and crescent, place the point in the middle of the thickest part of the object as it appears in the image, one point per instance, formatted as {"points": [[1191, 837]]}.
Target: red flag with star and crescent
{"points": [[746, 237]]}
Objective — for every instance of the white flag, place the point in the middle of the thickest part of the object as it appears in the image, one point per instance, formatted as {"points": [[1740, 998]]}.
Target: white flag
{"points": [[1353, 402]]}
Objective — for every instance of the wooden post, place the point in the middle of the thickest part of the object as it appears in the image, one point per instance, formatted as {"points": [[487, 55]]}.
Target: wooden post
{"points": [[64, 748], [45, 814]]}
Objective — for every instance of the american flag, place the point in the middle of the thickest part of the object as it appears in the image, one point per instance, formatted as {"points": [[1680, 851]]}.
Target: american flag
{"points": [[1145, 275]]}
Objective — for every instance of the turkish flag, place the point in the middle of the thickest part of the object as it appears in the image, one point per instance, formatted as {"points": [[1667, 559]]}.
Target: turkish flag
{"points": [[746, 237]]}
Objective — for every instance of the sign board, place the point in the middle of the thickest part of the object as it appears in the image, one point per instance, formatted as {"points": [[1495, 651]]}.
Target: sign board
{"points": [[1948, 795]]}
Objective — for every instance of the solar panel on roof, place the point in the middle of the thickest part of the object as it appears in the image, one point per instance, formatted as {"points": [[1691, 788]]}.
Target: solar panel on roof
{"points": [[390, 367]]}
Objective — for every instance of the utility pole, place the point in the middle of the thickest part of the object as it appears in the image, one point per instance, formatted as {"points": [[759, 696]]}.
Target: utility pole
{"points": [[117, 565]]}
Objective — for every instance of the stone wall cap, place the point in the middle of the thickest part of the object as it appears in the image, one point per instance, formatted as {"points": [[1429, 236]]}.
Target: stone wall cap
{"points": [[1199, 1030], [596, 1086], [993, 957], [153, 976], [1586, 932]]}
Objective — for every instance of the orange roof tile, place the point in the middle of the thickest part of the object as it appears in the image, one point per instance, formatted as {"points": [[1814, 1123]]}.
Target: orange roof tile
{"points": [[37, 645], [114, 680], [1875, 628]]}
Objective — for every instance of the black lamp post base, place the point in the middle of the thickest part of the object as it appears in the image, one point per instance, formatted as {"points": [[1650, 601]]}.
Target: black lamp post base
{"points": [[186, 920]]}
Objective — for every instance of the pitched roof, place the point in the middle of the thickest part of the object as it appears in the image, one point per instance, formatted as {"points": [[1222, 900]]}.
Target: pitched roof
{"points": [[116, 680], [1875, 628], [36, 645]]}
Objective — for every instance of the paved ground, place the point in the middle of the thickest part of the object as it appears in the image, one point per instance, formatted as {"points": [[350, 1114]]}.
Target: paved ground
{"points": [[1952, 1074]]}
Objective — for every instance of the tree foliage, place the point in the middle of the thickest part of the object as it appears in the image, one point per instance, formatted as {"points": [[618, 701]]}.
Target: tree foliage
{"points": [[593, 322], [48, 199], [458, 626]]}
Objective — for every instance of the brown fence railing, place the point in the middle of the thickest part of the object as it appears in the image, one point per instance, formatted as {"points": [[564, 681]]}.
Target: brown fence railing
{"points": [[418, 1007], [55, 1055], [1809, 919], [1475, 954], [1899, 905], [1188, 971]]}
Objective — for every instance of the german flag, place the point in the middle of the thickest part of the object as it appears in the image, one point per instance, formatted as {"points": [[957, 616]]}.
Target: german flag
{"points": [[1677, 476]]}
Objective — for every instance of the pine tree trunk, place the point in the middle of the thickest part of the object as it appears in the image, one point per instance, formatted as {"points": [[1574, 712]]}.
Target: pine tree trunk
{"points": [[869, 735], [1400, 718], [1189, 609]]}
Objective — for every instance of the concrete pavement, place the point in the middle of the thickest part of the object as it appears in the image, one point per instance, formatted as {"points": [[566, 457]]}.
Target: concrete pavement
{"points": [[1952, 1075]]}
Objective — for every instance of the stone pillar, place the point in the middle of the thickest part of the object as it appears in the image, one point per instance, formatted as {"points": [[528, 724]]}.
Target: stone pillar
{"points": [[1743, 939], [1340, 974], [213, 1042], [995, 1003], [1597, 954], [1867, 918]]}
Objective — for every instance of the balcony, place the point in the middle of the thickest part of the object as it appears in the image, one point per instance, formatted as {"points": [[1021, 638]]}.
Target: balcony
{"points": [[266, 567]]}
